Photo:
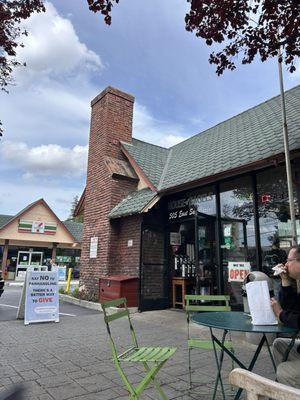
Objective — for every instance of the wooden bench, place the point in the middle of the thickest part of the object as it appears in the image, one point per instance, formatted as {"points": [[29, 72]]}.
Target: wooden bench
{"points": [[259, 388]]}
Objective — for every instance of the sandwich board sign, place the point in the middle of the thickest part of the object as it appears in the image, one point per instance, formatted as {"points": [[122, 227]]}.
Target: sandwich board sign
{"points": [[39, 297]]}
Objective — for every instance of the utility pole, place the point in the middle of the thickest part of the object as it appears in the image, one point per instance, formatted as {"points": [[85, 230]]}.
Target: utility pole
{"points": [[287, 154]]}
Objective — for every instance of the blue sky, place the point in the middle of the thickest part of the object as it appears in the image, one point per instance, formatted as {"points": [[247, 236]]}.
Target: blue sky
{"points": [[72, 55]]}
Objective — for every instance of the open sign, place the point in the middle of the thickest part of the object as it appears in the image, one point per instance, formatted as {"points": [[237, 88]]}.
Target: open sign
{"points": [[237, 271]]}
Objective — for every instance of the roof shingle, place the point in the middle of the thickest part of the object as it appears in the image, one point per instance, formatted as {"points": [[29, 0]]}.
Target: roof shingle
{"points": [[250, 136], [75, 228], [150, 158], [4, 219], [133, 203]]}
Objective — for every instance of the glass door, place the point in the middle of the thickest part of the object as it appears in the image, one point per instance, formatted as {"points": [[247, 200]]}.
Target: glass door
{"points": [[36, 258], [207, 274], [27, 259], [23, 263], [234, 252]]}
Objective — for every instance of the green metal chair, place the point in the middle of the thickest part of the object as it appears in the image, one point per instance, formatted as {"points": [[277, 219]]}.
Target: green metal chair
{"points": [[152, 358], [196, 303]]}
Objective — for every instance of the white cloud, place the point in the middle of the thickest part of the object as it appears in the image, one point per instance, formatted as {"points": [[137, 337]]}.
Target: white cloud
{"points": [[13, 198], [46, 116], [146, 127], [170, 140], [52, 45], [50, 102], [46, 160]]}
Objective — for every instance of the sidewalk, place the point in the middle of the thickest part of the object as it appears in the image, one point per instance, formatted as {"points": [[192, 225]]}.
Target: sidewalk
{"points": [[72, 359]]}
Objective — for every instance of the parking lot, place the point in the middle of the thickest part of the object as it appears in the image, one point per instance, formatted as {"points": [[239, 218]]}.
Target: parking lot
{"points": [[10, 299]]}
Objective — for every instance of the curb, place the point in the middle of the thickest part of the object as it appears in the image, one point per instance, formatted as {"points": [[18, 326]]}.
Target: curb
{"points": [[16, 284], [89, 304], [82, 303]]}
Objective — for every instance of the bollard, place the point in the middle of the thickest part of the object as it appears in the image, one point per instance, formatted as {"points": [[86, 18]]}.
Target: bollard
{"points": [[70, 270]]}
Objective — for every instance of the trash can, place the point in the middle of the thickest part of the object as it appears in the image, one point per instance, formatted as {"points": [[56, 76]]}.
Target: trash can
{"points": [[112, 287]]}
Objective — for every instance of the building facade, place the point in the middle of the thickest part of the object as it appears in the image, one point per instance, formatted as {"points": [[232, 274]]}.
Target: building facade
{"points": [[33, 237], [192, 212]]}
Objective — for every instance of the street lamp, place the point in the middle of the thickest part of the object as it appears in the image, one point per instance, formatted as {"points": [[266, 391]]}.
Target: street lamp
{"points": [[287, 154]]}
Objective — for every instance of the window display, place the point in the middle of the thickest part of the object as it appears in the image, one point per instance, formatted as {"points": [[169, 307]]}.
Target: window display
{"points": [[274, 214], [184, 250], [237, 230]]}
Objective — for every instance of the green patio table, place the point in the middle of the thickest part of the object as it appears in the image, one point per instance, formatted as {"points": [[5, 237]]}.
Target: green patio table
{"points": [[241, 322]]}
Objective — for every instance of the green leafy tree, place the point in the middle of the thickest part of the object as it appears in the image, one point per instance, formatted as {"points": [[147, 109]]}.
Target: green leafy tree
{"points": [[12, 12]]}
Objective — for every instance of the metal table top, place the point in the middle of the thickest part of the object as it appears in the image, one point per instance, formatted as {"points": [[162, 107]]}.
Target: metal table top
{"points": [[236, 321]]}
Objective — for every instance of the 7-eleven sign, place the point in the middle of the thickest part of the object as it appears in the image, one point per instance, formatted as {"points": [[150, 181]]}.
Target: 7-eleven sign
{"points": [[38, 227]]}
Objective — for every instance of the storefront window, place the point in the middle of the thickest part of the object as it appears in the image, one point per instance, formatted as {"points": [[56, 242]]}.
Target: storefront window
{"points": [[203, 200], [192, 227], [237, 234], [274, 217]]}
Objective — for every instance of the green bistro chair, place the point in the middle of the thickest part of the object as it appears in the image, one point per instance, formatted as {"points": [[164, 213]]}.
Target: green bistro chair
{"points": [[152, 358], [196, 303]]}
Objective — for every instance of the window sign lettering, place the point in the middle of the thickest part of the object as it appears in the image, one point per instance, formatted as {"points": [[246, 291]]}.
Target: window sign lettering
{"points": [[193, 200], [237, 271], [181, 213]]}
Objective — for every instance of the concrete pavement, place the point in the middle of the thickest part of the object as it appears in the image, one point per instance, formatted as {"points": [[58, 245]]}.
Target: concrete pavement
{"points": [[71, 359]]}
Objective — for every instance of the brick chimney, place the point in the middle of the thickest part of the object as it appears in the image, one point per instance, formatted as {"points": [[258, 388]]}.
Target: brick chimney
{"points": [[111, 122]]}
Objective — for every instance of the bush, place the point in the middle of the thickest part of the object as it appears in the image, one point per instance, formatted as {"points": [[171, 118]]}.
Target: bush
{"points": [[75, 293], [61, 291], [83, 294]]}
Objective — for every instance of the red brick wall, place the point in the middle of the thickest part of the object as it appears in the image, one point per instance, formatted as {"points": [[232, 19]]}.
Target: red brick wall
{"points": [[124, 259], [111, 121]]}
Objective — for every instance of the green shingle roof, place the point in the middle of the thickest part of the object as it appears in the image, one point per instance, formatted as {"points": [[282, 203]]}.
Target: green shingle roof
{"points": [[250, 136], [4, 219], [133, 203], [75, 228], [150, 158]]}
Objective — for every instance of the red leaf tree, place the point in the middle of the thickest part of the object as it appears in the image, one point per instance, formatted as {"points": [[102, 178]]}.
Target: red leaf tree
{"points": [[247, 27], [252, 28]]}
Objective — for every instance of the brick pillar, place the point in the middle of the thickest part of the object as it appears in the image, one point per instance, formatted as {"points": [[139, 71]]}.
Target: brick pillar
{"points": [[111, 122]]}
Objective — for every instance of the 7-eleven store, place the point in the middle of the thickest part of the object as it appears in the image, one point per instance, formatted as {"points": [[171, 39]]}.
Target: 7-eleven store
{"points": [[34, 236]]}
